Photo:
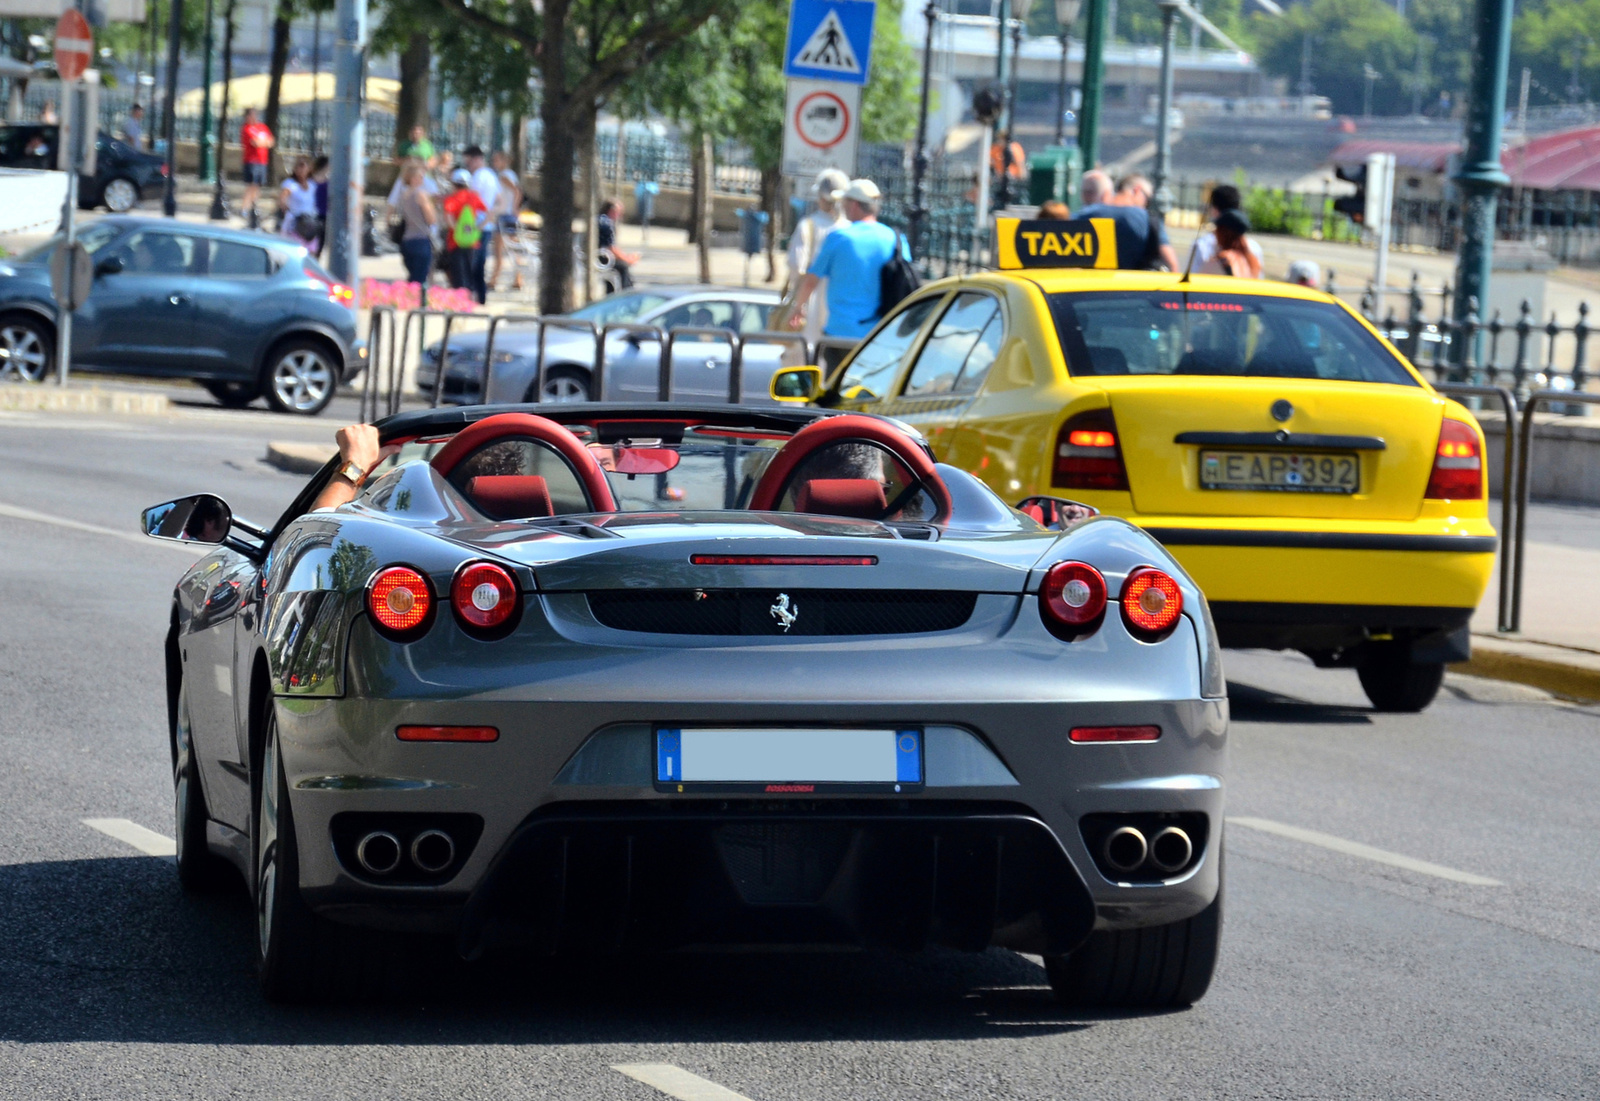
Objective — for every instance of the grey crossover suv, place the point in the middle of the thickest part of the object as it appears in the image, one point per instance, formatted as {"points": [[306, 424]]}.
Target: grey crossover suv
{"points": [[244, 314]]}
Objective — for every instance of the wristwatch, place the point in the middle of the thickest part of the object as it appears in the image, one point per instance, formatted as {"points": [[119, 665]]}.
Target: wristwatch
{"points": [[354, 473]]}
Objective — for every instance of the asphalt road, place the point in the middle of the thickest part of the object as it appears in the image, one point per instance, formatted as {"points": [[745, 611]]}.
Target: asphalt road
{"points": [[1342, 975]]}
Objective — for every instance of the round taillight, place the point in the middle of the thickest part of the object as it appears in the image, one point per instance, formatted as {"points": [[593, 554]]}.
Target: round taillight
{"points": [[484, 595], [1151, 601], [399, 599], [1072, 598]]}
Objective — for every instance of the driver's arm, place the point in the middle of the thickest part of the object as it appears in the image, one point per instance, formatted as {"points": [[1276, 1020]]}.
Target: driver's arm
{"points": [[358, 444]]}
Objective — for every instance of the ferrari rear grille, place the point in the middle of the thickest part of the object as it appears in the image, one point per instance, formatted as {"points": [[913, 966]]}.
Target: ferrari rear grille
{"points": [[794, 612]]}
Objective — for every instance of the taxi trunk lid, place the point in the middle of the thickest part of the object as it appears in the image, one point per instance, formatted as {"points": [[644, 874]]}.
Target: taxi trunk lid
{"points": [[1192, 446]]}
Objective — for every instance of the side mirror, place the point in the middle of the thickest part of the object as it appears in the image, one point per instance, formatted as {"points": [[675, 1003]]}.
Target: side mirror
{"points": [[1057, 513], [109, 266], [202, 518], [796, 384]]}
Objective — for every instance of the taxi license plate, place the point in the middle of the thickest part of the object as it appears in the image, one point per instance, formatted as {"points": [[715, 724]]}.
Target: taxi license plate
{"points": [[798, 760], [1281, 471]]}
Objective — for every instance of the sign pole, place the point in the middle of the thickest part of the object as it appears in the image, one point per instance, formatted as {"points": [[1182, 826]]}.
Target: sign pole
{"points": [[347, 181], [74, 45]]}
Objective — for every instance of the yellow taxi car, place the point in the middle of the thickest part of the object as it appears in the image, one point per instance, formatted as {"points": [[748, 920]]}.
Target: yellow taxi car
{"points": [[1325, 498]]}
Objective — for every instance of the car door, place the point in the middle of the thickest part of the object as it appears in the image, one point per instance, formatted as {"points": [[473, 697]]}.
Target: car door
{"points": [[143, 316], [232, 304], [215, 594], [700, 363], [950, 367]]}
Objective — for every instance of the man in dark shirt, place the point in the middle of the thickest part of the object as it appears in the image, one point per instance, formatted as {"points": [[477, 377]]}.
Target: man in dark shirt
{"points": [[1141, 240], [606, 232]]}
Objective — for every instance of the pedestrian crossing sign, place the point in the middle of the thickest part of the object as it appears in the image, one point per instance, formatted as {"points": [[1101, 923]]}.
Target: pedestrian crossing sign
{"points": [[830, 40]]}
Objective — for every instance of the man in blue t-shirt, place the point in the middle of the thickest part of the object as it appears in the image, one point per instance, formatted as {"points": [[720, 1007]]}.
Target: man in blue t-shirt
{"points": [[1141, 240], [851, 260]]}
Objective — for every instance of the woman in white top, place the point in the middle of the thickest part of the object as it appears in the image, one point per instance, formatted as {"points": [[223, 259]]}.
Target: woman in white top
{"points": [[506, 205], [297, 204], [807, 240]]}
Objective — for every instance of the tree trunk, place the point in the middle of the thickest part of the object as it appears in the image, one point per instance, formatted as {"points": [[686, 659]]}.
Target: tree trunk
{"points": [[280, 61], [696, 189], [621, 176], [519, 145], [589, 166], [708, 176], [771, 189], [412, 109], [555, 174]]}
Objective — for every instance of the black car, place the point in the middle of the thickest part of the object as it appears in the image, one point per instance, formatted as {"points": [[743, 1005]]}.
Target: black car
{"points": [[123, 175]]}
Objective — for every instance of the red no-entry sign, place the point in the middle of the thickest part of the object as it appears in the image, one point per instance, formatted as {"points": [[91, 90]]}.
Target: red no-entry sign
{"points": [[74, 44]]}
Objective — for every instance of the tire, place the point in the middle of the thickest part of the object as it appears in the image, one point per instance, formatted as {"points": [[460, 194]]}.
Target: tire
{"points": [[120, 195], [293, 947], [199, 870], [1395, 682], [563, 383], [234, 395], [28, 344], [300, 376], [1163, 967]]}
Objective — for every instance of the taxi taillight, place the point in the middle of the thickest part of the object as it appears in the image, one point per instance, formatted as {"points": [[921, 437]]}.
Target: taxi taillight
{"points": [[1088, 454], [1457, 464]]}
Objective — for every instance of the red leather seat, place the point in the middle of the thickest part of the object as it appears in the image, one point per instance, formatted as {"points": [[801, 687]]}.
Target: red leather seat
{"points": [[859, 497], [511, 496]]}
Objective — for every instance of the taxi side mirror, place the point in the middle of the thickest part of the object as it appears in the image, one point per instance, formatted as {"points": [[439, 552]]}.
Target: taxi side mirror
{"points": [[796, 384]]}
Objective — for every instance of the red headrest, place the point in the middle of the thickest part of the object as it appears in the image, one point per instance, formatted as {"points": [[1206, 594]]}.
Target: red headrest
{"points": [[474, 437], [511, 496], [830, 430], [858, 497], [1034, 510]]}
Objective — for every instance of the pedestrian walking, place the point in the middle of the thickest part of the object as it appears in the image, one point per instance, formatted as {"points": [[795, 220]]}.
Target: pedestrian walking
{"points": [[257, 142], [1233, 254], [487, 187], [297, 205], [1141, 240], [1224, 197], [806, 241], [507, 203], [1053, 210], [420, 147], [1133, 190], [1304, 273], [133, 125], [464, 218], [320, 169], [418, 217], [606, 241], [852, 260]]}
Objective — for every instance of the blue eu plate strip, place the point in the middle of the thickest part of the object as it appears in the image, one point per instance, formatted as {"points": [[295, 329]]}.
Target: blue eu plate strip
{"points": [[908, 757], [669, 756]]}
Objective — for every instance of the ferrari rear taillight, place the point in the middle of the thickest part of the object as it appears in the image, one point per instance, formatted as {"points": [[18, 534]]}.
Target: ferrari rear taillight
{"points": [[1457, 464], [1151, 603], [399, 601], [1088, 455], [484, 597], [1072, 599]]}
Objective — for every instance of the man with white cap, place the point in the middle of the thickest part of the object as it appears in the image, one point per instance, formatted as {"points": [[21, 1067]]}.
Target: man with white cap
{"points": [[852, 261]]}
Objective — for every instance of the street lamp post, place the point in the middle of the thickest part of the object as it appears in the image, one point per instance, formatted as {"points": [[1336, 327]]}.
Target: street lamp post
{"points": [[169, 198], [919, 164], [1093, 82], [1019, 17], [1161, 200], [205, 102], [1480, 176], [1066, 15]]}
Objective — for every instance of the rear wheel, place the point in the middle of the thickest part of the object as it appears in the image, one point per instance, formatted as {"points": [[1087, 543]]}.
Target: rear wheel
{"points": [[235, 395], [1163, 967], [198, 869], [300, 377], [292, 944], [563, 383], [120, 195], [1393, 680], [27, 346]]}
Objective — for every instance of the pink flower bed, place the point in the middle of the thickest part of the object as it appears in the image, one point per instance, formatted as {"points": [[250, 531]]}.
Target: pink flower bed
{"points": [[408, 296]]}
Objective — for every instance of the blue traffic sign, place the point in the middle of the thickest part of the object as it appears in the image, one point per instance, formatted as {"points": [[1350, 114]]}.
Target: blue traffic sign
{"points": [[830, 40]]}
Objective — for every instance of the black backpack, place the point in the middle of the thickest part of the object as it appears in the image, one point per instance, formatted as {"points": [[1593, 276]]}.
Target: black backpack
{"points": [[897, 279]]}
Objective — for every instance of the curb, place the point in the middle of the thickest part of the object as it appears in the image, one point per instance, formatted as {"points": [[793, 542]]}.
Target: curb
{"points": [[53, 399], [1574, 674], [299, 458]]}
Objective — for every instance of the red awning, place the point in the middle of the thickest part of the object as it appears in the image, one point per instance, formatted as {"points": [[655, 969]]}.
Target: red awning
{"points": [[1420, 156], [1568, 161]]}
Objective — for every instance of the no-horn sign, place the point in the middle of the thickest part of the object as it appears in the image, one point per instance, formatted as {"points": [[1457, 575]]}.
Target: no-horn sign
{"points": [[822, 127]]}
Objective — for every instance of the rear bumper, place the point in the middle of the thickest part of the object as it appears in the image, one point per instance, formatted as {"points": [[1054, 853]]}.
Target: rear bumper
{"points": [[1280, 626]]}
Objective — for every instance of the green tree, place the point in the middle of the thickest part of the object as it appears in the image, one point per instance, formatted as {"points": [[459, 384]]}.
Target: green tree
{"points": [[1560, 42], [1346, 36]]}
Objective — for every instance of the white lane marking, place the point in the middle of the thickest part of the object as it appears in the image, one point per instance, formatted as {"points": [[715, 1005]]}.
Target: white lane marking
{"points": [[677, 1082], [146, 841], [18, 513], [1365, 852]]}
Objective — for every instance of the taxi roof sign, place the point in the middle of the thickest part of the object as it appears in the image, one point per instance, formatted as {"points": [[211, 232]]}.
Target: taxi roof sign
{"points": [[1053, 243]]}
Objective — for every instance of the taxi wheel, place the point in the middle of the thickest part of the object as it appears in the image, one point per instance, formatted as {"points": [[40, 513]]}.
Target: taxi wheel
{"points": [[1395, 682], [1162, 967]]}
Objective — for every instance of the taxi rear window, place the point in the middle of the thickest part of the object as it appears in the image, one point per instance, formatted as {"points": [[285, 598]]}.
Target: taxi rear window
{"points": [[1251, 336]]}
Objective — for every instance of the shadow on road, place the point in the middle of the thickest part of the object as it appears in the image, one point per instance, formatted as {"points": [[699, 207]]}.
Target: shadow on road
{"points": [[1249, 704], [113, 950]]}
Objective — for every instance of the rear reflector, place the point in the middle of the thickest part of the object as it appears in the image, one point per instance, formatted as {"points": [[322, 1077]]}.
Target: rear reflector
{"points": [[1087, 453], [1115, 733], [448, 733], [1457, 465], [784, 559]]}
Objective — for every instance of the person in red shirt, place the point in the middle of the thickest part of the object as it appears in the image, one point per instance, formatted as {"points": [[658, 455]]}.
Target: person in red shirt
{"points": [[464, 216], [257, 142]]}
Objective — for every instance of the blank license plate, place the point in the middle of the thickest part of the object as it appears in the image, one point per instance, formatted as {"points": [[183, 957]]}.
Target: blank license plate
{"points": [[1281, 471], [790, 759]]}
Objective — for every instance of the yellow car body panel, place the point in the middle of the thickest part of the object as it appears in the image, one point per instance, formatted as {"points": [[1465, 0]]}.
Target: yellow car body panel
{"points": [[1382, 547]]}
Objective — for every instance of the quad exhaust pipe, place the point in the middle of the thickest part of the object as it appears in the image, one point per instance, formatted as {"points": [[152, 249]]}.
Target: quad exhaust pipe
{"points": [[1126, 849]]}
